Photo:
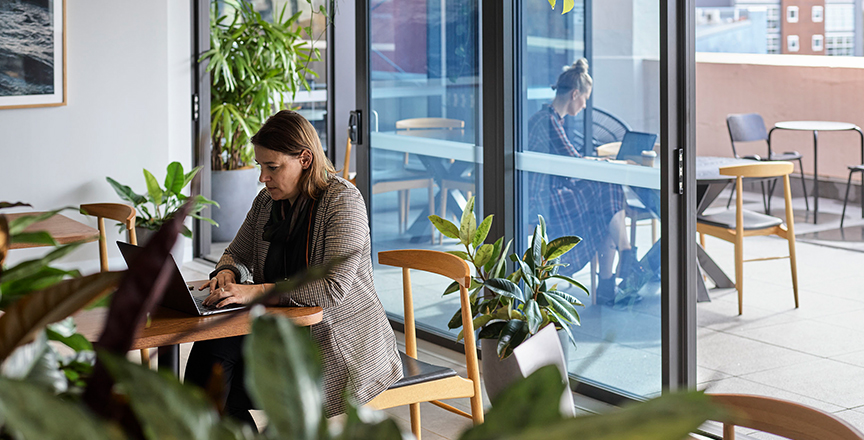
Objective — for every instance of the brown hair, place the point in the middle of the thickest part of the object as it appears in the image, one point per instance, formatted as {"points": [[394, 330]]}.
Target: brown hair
{"points": [[288, 132], [574, 77]]}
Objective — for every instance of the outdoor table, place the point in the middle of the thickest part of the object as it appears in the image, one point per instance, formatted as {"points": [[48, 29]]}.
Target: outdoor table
{"points": [[816, 127], [63, 229]]}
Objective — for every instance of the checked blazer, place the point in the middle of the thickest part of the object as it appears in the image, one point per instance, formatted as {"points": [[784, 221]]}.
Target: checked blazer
{"points": [[358, 348]]}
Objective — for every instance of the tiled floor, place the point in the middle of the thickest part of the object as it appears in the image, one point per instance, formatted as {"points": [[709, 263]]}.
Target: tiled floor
{"points": [[812, 355]]}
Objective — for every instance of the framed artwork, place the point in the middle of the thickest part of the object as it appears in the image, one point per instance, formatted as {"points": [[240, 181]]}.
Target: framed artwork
{"points": [[32, 53]]}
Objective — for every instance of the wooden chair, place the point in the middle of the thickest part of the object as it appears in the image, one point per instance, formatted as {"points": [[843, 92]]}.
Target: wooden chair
{"points": [[424, 382], [124, 214], [783, 418], [346, 170], [734, 225]]}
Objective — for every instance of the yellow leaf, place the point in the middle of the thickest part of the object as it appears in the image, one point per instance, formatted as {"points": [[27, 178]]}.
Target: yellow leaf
{"points": [[42, 307], [552, 3], [568, 6]]}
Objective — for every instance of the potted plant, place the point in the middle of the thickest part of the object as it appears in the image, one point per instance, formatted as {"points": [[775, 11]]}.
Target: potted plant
{"points": [[159, 204], [253, 64], [505, 314]]}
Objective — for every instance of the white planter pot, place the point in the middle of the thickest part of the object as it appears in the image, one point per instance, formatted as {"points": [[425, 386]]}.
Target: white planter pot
{"points": [[234, 191], [542, 349], [177, 251]]}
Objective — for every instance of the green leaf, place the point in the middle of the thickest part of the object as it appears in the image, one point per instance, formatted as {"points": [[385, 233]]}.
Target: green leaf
{"points": [[444, 226], [65, 332], [43, 278], [468, 225], [189, 176], [483, 255], [500, 266], [563, 308], [174, 179], [528, 274], [532, 313], [30, 267], [283, 374], [496, 251], [505, 287], [542, 223], [40, 238], [153, 188], [453, 287], [571, 281], [126, 193], [37, 414], [37, 363], [532, 402], [536, 248], [478, 322], [4, 205], [513, 333], [566, 297], [561, 246], [164, 407], [492, 330], [482, 231], [461, 254]]}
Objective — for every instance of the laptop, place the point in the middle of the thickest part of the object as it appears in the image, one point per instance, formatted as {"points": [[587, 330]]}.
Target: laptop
{"points": [[179, 295], [634, 143]]}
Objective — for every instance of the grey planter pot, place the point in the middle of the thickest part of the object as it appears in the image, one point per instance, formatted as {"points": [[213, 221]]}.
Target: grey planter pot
{"points": [[544, 348], [177, 251], [234, 191]]}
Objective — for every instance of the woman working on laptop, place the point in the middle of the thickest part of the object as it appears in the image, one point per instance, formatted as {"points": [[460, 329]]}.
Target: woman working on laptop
{"points": [[590, 209], [306, 216]]}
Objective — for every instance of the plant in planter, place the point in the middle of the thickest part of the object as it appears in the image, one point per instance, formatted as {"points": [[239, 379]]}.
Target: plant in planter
{"points": [[253, 64], [159, 204], [505, 314]]}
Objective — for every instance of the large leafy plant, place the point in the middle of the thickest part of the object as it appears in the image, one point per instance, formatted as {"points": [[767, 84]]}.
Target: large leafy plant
{"points": [[253, 64], [501, 309], [164, 202]]}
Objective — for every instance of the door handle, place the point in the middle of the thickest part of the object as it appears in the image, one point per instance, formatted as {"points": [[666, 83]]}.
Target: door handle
{"points": [[354, 127]]}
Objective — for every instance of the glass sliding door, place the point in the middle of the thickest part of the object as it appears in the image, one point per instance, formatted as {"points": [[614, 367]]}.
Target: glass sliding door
{"points": [[588, 115], [423, 125]]}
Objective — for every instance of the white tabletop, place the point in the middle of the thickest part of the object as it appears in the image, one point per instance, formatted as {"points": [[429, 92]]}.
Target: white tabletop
{"points": [[815, 125], [566, 166]]}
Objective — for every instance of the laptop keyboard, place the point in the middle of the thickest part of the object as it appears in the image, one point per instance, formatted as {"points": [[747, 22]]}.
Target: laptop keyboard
{"points": [[206, 310]]}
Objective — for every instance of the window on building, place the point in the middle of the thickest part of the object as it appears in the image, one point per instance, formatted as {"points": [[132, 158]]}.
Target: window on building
{"points": [[792, 14], [839, 45], [792, 43], [816, 13], [840, 17], [772, 16], [817, 43], [773, 45]]}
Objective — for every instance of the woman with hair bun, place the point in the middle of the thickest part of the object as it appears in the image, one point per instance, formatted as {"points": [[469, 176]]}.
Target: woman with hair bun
{"points": [[590, 209]]}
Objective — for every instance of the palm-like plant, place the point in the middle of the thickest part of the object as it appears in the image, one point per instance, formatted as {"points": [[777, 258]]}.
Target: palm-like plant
{"points": [[253, 64]]}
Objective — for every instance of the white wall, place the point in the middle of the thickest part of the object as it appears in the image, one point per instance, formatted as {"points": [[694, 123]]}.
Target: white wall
{"points": [[129, 75]]}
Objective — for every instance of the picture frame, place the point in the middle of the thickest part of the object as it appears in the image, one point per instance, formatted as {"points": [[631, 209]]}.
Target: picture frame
{"points": [[33, 67]]}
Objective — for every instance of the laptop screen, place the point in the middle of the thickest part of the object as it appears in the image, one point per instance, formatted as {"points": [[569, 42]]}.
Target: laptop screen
{"points": [[634, 143]]}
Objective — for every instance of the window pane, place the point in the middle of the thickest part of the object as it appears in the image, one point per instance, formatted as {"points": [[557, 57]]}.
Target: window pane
{"points": [[611, 203], [424, 90]]}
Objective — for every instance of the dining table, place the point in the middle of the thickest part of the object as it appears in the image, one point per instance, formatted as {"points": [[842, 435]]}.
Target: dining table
{"points": [[816, 127], [167, 328], [63, 229]]}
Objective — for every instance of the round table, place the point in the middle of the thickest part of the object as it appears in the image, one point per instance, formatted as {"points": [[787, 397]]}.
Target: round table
{"points": [[816, 127]]}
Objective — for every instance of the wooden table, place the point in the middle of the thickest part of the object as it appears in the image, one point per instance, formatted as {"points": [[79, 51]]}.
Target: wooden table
{"points": [[62, 228], [168, 328]]}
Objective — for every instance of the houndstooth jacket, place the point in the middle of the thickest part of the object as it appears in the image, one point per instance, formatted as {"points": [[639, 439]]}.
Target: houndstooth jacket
{"points": [[357, 345]]}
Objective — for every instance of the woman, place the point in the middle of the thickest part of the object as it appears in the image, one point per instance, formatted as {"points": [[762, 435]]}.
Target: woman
{"points": [[590, 209], [306, 216]]}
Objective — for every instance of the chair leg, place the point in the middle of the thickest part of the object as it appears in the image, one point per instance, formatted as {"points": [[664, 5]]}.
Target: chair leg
{"points": [[790, 236], [432, 207], [794, 263], [145, 357], [739, 271], [846, 199], [702, 239], [477, 409], [415, 419], [653, 230], [766, 202], [732, 193], [633, 230], [803, 184], [593, 268]]}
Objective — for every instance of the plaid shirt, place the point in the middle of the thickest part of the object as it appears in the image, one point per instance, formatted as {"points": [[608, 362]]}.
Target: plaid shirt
{"points": [[570, 206]]}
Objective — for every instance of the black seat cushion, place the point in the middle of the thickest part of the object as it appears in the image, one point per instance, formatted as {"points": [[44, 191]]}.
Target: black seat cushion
{"points": [[752, 220], [856, 168], [416, 371], [788, 155]]}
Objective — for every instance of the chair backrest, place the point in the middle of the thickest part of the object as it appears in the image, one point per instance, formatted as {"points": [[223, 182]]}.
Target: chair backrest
{"points": [[115, 211], [440, 263], [759, 169], [607, 127], [783, 418], [745, 127]]}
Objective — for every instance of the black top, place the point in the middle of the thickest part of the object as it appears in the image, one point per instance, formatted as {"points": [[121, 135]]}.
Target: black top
{"points": [[288, 231]]}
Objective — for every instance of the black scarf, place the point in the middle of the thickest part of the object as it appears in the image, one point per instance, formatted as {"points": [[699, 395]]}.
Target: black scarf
{"points": [[289, 238]]}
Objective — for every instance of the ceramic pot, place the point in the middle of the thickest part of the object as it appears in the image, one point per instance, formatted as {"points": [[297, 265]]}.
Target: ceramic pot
{"points": [[234, 191], [178, 251], [542, 349]]}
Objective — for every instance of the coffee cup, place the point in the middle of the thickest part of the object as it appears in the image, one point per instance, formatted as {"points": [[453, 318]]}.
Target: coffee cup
{"points": [[648, 157]]}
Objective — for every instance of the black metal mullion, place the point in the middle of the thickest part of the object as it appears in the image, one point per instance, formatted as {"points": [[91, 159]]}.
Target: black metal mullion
{"points": [[201, 127], [361, 147], [677, 133]]}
